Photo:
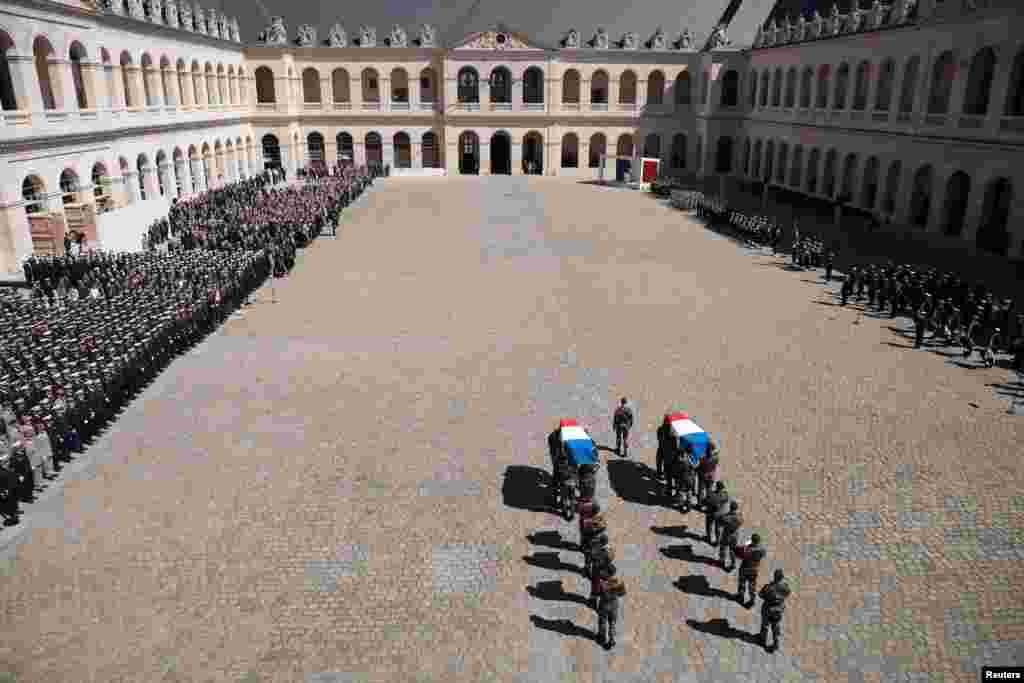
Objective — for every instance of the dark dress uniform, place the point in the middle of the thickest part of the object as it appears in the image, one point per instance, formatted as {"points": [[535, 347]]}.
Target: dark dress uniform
{"points": [[774, 596]]}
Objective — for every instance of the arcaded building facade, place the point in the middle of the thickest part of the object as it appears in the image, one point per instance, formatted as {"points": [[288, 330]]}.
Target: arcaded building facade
{"points": [[911, 111]]}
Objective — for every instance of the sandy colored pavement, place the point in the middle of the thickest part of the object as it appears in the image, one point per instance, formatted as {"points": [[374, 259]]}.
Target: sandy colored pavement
{"points": [[339, 486]]}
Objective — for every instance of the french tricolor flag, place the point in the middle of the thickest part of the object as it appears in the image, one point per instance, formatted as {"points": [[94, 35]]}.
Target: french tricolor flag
{"points": [[578, 445], [688, 432]]}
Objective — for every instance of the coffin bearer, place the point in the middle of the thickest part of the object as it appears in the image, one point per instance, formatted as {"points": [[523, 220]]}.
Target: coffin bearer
{"points": [[729, 524], [622, 422], [716, 505], [706, 474], [750, 556], [774, 596]]}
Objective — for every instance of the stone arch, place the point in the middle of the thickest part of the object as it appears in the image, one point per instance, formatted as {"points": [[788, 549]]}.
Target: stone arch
{"points": [[571, 87], [806, 84], [148, 89], [828, 185], [47, 71], [683, 96], [993, 234], [402, 150], [797, 167], [656, 88], [909, 86], [599, 87], [756, 168], [33, 193], [624, 146], [100, 180], [341, 86], [8, 93], [69, 186], [766, 79], [958, 188], [598, 147], [1014, 104], [849, 173], [143, 168], [469, 89], [570, 150], [824, 78], [813, 159], [748, 149], [883, 94], [842, 85], [428, 85], [77, 56], [791, 87], [310, 86], [892, 186], [265, 85], [346, 148], [400, 88], [161, 158], [730, 85], [752, 80], [429, 150], [374, 147], [783, 165], [271, 151], [315, 149], [500, 82], [979, 82], [627, 87], [679, 151], [652, 146], [723, 156], [921, 196], [469, 151], [777, 87], [770, 151], [869, 185], [533, 85], [941, 87], [533, 152], [501, 153], [370, 84]]}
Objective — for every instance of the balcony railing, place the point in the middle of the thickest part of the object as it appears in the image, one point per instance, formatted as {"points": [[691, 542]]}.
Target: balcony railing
{"points": [[836, 115], [972, 121], [501, 106], [935, 120], [399, 106], [857, 115], [880, 116], [88, 114], [570, 106], [468, 106], [1012, 123], [598, 106], [16, 118], [266, 106], [627, 106], [342, 106], [56, 116], [533, 106], [312, 106], [903, 117], [371, 106], [426, 105]]}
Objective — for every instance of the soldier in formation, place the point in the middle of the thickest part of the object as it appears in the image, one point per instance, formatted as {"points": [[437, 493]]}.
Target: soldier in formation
{"points": [[622, 422]]}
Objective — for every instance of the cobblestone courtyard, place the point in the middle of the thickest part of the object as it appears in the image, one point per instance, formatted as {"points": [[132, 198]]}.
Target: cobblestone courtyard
{"points": [[347, 485]]}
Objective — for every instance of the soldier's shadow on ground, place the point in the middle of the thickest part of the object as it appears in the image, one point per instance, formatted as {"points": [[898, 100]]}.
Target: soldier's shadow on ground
{"points": [[1015, 390], [680, 531], [634, 482], [697, 584], [551, 539], [551, 561], [527, 488], [563, 626], [721, 628], [686, 554], [552, 590]]}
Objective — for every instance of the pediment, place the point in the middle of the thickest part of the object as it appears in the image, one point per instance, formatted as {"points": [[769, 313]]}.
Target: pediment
{"points": [[498, 39]]}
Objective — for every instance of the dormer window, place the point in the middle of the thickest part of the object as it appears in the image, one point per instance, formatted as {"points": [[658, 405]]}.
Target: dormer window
{"points": [[501, 38]]}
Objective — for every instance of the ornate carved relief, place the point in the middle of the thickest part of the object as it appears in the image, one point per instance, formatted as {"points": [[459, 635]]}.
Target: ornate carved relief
{"points": [[199, 17], [718, 38], [428, 37], [305, 35], [337, 37], [222, 27], [171, 12], [155, 13], [367, 36], [495, 40], [236, 36], [276, 33], [398, 37], [685, 40], [571, 39], [186, 17], [212, 25], [135, 9], [657, 41], [629, 41]]}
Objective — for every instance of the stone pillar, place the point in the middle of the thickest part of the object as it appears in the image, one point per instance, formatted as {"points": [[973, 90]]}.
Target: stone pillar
{"points": [[613, 93], [517, 91], [131, 186], [485, 157], [26, 86], [516, 144], [181, 172], [359, 152], [451, 91], [167, 178], [91, 85], [959, 90], [485, 94], [1000, 88], [416, 152], [451, 157], [169, 78], [196, 176]]}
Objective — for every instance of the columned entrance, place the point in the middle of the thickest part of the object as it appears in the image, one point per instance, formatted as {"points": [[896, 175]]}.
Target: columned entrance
{"points": [[469, 153], [501, 153], [533, 153]]}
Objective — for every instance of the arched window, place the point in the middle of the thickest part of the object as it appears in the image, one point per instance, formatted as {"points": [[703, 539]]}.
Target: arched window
{"points": [[624, 147], [428, 149], [756, 164], [780, 171], [958, 187], [265, 86], [979, 82], [8, 98], [46, 71], [374, 149], [533, 86], [77, 55], [346, 155], [824, 73], [599, 88], [142, 168], [992, 232], [892, 186], [769, 160], [921, 197], [797, 167], [806, 83], [679, 151], [427, 82], [271, 151], [766, 79], [402, 150], [883, 98], [310, 86], [501, 86], [700, 153], [723, 161], [812, 171], [570, 150], [791, 87], [148, 90], [860, 87], [777, 88], [627, 88], [469, 85], [746, 156], [371, 86], [400, 88], [705, 87], [598, 145], [161, 158], [315, 148], [652, 146], [340, 87], [829, 181], [571, 87], [1014, 105], [842, 85], [943, 75], [752, 84], [682, 90], [33, 192], [869, 186], [849, 170], [730, 85], [655, 88], [909, 85]]}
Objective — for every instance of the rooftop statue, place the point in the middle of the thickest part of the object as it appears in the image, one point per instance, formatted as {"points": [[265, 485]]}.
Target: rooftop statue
{"points": [[337, 37], [398, 37], [186, 17], [629, 41], [276, 34], [718, 38], [657, 41], [685, 40], [200, 19], [171, 10], [428, 38], [305, 35], [367, 36], [572, 39], [212, 25]]}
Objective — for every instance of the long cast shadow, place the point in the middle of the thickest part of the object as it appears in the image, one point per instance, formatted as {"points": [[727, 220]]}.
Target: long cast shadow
{"points": [[721, 628], [686, 554], [696, 584], [551, 539], [680, 531], [563, 626], [527, 488], [552, 590], [634, 482], [551, 561]]}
